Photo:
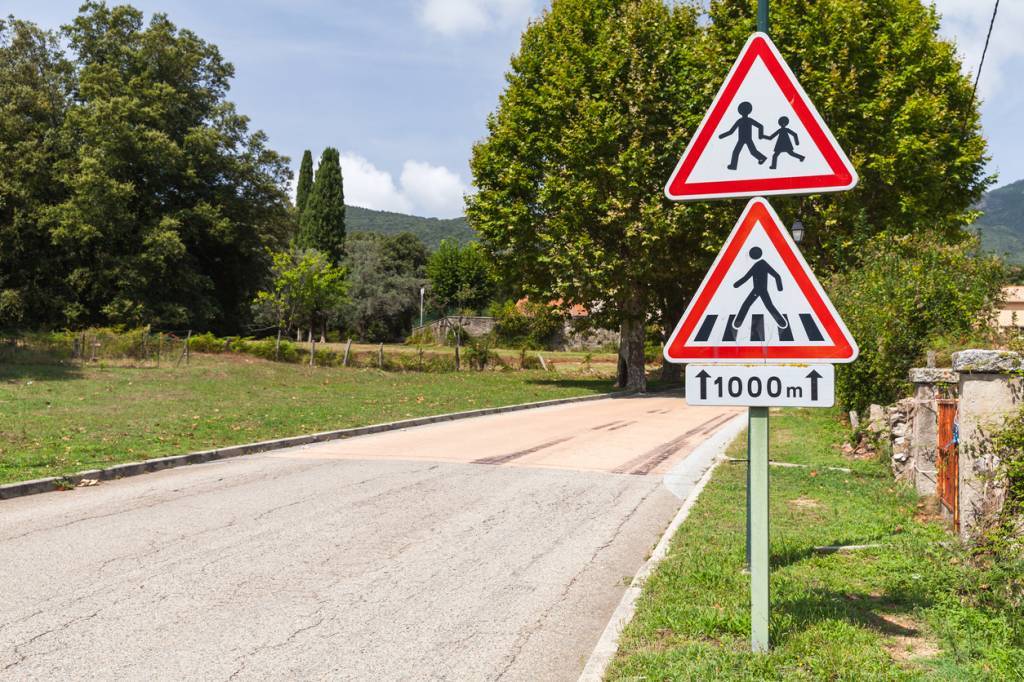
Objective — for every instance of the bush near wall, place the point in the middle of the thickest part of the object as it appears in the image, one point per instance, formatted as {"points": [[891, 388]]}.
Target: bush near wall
{"points": [[908, 292], [531, 325]]}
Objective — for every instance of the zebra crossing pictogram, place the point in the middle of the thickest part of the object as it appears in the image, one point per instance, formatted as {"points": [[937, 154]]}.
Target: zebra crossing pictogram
{"points": [[760, 301], [714, 327]]}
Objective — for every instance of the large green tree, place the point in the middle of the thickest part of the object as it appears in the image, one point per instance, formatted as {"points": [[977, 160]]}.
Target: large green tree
{"points": [[172, 202], [144, 198], [35, 85], [322, 224], [305, 183], [460, 277], [570, 175], [894, 94], [385, 276], [604, 94]]}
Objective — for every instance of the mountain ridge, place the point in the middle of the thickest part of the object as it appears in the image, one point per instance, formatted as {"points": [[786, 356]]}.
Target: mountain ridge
{"points": [[1001, 224], [430, 230]]}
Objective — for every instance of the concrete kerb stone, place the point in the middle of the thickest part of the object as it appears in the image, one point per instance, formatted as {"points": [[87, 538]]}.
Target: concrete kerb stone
{"points": [[686, 480], [45, 485]]}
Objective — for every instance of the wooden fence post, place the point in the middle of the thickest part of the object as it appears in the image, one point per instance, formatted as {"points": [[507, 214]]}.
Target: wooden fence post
{"points": [[188, 348], [380, 357], [348, 349]]}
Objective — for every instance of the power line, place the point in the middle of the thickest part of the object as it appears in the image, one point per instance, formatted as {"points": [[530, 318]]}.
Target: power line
{"points": [[977, 76]]}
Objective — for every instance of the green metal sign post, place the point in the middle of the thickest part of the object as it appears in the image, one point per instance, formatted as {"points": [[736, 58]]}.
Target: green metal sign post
{"points": [[757, 468], [757, 491]]}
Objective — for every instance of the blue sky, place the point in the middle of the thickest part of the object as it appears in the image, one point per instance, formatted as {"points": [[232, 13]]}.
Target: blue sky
{"points": [[403, 87]]}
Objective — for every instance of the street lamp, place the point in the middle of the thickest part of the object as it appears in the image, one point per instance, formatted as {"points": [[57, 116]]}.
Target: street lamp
{"points": [[798, 231], [422, 289]]}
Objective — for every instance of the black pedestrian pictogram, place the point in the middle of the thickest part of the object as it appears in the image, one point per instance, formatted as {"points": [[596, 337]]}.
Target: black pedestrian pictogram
{"points": [[785, 138], [759, 273], [744, 129]]}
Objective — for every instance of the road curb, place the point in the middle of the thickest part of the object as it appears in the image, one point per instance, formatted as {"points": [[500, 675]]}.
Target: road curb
{"points": [[45, 485], [691, 475]]}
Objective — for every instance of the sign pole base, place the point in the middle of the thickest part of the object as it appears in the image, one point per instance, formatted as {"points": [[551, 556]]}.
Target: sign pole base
{"points": [[757, 462]]}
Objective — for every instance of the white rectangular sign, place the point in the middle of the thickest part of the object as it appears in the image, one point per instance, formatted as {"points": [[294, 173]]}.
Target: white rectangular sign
{"points": [[761, 385]]}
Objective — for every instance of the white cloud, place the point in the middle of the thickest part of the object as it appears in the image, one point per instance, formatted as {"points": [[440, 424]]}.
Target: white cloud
{"points": [[423, 189], [452, 17], [434, 189], [966, 21], [370, 187]]}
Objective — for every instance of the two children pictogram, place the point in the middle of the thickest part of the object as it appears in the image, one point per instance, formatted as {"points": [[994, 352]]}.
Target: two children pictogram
{"points": [[786, 139]]}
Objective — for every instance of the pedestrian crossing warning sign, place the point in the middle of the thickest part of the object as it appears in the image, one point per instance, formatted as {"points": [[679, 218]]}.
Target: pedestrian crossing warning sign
{"points": [[760, 302], [762, 136]]}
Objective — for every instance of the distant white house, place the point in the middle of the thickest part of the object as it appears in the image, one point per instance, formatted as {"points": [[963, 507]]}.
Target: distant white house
{"points": [[1011, 312]]}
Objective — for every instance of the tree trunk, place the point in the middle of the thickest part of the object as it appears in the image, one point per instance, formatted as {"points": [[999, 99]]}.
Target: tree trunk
{"points": [[671, 373], [312, 345], [672, 308], [631, 355]]}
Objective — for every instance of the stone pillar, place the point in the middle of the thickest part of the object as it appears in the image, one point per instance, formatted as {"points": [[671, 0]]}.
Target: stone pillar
{"points": [[930, 383], [990, 392]]}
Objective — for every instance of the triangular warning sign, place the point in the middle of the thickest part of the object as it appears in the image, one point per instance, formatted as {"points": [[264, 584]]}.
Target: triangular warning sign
{"points": [[760, 302], [761, 136]]}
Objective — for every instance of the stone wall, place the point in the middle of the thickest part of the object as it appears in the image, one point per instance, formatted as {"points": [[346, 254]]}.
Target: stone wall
{"points": [[989, 389], [930, 384], [990, 392], [893, 425]]}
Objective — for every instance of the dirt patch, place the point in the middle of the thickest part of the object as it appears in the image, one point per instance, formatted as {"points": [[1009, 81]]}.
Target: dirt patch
{"points": [[907, 643], [805, 503], [929, 510]]}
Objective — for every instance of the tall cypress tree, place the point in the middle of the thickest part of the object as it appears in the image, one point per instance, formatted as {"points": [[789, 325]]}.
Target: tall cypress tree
{"points": [[305, 181], [322, 223]]}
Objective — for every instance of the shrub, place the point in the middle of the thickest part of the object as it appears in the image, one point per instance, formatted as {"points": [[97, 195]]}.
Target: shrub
{"points": [[908, 293], [479, 355], [421, 337], [206, 343], [534, 325]]}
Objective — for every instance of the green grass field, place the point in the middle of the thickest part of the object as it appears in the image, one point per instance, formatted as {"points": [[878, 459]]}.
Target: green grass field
{"points": [[58, 419], [912, 609]]}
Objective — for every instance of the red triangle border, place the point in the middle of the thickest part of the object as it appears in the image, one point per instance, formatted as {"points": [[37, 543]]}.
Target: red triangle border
{"points": [[758, 210], [759, 46]]}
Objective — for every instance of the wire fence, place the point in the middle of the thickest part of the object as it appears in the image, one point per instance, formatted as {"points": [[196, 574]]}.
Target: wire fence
{"points": [[146, 347]]}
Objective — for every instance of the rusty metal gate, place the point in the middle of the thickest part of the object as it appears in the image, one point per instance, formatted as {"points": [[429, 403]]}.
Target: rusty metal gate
{"points": [[948, 458]]}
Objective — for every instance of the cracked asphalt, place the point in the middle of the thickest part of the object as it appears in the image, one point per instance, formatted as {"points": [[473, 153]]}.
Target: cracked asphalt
{"points": [[492, 548]]}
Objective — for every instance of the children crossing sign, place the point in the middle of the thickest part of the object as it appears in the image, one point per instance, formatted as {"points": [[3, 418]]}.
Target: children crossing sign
{"points": [[762, 136], [760, 302]]}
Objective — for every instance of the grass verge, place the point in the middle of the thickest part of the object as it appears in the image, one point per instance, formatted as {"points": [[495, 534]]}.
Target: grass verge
{"points": [[58, 419], [916, 607]]}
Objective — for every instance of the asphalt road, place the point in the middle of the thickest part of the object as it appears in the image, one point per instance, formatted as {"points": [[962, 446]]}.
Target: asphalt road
{"points": [[482, 549]]}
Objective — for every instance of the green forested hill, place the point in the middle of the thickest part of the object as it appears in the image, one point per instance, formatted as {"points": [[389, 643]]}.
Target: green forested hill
{"points": [[1002, 224], [430, 230]]}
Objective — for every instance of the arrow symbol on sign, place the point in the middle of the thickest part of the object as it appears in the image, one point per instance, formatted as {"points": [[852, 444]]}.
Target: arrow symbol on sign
{"points": [[814, 376], [703, 376]]}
